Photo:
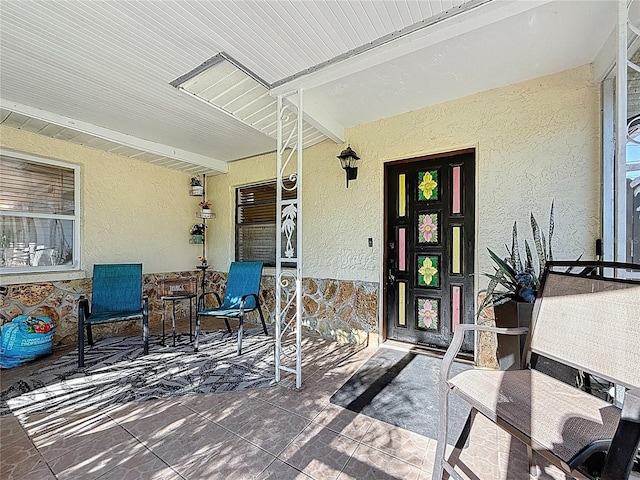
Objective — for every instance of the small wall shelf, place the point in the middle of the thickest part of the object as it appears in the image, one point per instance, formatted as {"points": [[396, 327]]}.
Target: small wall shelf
{"points": [[205, 215]]}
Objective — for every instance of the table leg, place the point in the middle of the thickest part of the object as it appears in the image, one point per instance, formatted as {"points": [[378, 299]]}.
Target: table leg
{"points": [[173, 321], [163, 314], [190, 319]]}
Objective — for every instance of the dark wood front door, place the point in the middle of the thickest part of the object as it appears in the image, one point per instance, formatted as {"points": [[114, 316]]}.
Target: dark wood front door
{"points": [[429, 253]]}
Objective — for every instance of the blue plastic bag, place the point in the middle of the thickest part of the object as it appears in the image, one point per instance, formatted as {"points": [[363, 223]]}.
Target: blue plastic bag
{"points": [[24, 339]]}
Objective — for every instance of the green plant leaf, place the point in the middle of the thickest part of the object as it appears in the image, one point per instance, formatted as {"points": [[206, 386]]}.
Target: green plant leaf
{"points": [[551, 226], [540, 243], [507, 269], [502, 281], [516, 262], [504, 266]]}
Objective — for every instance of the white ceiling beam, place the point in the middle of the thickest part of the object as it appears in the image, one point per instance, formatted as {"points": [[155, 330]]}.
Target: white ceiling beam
{"points": [[117, 137], [605, 60], [319, 119], [446, 29]]}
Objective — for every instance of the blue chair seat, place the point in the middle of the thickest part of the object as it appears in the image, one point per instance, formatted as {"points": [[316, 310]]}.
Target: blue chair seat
{"points": [[113, 317], [241, 296], [221, 312], [116, 297]]}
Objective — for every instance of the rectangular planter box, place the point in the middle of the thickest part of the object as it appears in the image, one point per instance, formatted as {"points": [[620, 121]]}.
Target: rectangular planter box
{"points": [[512, 315]]}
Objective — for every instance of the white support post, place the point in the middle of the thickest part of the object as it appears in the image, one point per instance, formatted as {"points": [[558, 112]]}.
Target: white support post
{"points": [[288, 354], [621, 139], [620, 187]]}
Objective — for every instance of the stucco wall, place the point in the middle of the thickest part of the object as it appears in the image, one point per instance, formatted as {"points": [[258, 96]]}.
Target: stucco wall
{"points": [[131, 211], [536, 141]]}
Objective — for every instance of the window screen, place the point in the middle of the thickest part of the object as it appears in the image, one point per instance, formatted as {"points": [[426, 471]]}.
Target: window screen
{"points": [[38, 215]]}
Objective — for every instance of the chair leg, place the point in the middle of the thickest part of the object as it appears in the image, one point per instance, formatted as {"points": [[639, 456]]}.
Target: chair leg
{"points": [[89, 335], [240, 322], [145, 334], [264, 325], [441, 448], [226, 321], [197, 335], [80, 340], [466, 430]]}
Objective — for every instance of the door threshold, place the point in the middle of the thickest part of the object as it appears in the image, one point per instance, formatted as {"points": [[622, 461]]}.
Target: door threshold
{"points": [[424, 350]]}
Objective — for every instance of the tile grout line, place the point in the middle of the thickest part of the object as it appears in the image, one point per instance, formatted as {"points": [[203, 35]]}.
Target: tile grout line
{"points": [[143, 445]]}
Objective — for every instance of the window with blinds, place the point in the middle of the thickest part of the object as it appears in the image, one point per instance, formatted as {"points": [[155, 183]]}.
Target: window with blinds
{"points": [[256, 222], [39, 217]]}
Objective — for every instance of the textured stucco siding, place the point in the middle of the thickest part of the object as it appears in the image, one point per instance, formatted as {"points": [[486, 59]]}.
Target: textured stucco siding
{"points": [[536, 142], [131, 211]]}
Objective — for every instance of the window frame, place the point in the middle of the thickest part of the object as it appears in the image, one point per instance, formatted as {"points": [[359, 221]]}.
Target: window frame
{"points": [[237, 224], [75, 218]]}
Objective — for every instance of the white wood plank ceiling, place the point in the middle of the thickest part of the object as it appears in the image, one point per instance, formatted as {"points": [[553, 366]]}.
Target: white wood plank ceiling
{"points": [[102, 70]]}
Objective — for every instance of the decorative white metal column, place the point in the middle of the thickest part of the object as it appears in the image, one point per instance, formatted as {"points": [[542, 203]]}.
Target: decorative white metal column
{"points": [[621, 130], [288, 354], [621, 138]]}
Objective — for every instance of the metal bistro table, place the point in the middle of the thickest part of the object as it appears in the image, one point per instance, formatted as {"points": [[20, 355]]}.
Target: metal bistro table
{"points": [[174, 291]]}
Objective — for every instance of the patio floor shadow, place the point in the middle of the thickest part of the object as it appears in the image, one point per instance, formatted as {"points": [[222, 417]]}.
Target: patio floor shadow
{"points": [[274, 432]]}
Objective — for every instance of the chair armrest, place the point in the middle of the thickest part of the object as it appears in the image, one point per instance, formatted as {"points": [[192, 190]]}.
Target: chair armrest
{"points": [[203, 295], [458, 337], [244, 298], [631, 405], [83, 305], [626, 441]]}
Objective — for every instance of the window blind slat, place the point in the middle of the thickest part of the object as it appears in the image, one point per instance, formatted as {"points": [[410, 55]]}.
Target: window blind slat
{"points": [[256, 221], [37, 194], [36, 188]]}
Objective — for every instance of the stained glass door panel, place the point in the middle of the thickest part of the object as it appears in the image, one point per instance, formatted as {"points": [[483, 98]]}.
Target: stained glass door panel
{"points": [[429, 238]]}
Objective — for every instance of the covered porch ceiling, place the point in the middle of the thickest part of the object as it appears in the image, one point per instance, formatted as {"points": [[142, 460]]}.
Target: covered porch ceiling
{"points": [[100, 73]]}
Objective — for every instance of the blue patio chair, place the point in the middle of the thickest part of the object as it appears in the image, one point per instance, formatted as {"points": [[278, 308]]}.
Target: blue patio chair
{"points": [[241, 296], [117, 296]]}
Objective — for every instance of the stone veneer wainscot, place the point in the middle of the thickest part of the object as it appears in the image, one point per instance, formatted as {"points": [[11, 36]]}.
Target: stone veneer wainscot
{"points": [[342, 310]]}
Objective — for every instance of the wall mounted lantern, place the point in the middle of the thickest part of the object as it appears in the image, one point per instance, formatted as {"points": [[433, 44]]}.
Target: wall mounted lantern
{"points": [[348, 159]]}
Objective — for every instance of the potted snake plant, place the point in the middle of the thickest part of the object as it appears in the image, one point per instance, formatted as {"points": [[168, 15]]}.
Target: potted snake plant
{"points": [[513, 287]]}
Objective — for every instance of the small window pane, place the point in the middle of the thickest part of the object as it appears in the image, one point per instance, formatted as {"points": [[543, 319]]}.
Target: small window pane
{"points": [[456, 190], [402, 299], [428, 228], [428, 312], [456, 249], [402, 195], [428, 186], [256, 221], [38, 217], [36, 242], [36, 187], [402, 252], [429, 271], [456, 305]]}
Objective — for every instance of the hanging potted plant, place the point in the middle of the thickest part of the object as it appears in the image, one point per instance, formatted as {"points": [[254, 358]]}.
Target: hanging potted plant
{"points": [[205, 211], [197, 233], [196, 186]]}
